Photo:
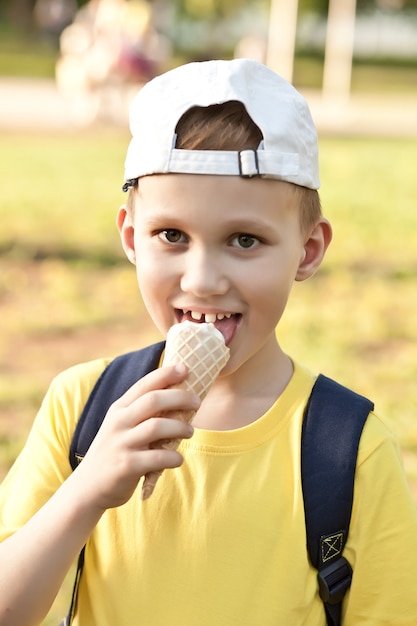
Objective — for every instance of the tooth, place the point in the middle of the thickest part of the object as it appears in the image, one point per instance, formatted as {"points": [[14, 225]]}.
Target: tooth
{"points": [[220, 316], [195, 315], [228, 315], [210, 318]]}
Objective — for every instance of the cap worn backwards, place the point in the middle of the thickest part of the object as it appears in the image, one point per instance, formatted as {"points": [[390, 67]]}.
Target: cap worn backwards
{"points": [[289, 148]]}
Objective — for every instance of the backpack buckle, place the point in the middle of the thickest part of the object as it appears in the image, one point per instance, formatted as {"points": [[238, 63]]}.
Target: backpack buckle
{"points": [[334, 580]]}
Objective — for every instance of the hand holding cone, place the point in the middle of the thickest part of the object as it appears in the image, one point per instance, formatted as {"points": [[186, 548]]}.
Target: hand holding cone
{"points": [[202, 349]]}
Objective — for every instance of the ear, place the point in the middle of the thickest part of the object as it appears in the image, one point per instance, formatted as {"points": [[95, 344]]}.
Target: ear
{"points": [[314, 249], [126, 229]]}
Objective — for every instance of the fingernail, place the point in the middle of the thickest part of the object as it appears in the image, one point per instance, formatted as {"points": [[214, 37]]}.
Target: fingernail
{"points": [[180, 368]]}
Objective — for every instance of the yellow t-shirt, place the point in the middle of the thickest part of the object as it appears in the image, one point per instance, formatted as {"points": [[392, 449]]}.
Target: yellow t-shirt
{"points": [[221, 542]]}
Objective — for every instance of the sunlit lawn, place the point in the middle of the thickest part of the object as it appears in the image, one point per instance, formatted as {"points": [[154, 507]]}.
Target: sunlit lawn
{"points": [[66, 294], [63, 279]]}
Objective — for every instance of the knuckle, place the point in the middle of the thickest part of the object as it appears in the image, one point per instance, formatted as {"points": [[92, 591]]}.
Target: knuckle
{"points": [[168, 458], [153, 400], [152, 427]]}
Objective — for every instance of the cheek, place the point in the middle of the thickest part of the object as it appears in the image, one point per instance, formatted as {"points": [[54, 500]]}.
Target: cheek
{"points": [[146, 260], [274, 275], [271, 286], [155, 286], [150, 277]]}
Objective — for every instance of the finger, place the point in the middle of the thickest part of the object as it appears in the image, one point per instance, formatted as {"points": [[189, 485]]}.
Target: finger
{"points": [[160, 378], [143, 422], [158, 431], [115, 485], [159, 459], [163, 402]]}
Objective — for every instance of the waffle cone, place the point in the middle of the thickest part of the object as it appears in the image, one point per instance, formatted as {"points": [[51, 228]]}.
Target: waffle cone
{"points": [[202, 349]]}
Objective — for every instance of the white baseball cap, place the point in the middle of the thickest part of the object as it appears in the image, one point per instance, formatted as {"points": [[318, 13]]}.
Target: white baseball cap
{"points": [[289, 149]]}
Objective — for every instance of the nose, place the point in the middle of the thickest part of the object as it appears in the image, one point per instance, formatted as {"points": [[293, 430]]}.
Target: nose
{"points": [[204, 273]]}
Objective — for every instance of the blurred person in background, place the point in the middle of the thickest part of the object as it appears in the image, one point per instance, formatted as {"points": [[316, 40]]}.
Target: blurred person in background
{"points": [[109, 51]]}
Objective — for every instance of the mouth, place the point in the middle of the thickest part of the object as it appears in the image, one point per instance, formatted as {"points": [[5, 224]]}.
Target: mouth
{"points": [[225, 322]]}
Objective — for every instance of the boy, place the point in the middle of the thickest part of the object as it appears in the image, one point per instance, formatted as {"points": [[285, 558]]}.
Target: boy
{"points": [[222, 216]]}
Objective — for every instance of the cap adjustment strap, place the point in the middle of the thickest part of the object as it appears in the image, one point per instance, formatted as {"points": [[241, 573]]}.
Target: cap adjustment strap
{"points": [[248, 163]]}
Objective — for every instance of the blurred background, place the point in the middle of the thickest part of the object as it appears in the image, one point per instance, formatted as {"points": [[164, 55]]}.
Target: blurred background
{"points": [[90, 57], [68, 71]]}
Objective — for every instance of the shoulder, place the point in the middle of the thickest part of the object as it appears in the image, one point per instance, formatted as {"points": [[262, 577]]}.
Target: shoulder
{"points": [[77, 381], [88, 371], [43, 463], [377, 431], [382, 542], [377, 437], [65, 399]]}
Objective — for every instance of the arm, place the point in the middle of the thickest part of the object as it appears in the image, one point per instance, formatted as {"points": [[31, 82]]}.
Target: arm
{"points": [[36, 558], [382, 543]]}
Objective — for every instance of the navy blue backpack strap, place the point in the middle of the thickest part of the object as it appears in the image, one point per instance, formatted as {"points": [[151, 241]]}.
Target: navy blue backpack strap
{"points": [[119, 375], [115, 380], [332, 427]]}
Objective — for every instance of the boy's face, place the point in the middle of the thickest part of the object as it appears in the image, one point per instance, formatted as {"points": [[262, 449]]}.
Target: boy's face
{"points": [[218, 248]]}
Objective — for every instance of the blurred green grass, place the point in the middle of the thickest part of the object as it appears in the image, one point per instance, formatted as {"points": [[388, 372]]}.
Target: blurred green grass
{"points": [[368, 75], [63, 273], [26, 56], [67, 294], [65, 188]]}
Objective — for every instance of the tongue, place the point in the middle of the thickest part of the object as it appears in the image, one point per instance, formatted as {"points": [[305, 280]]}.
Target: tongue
{"points": [[227, 327]]}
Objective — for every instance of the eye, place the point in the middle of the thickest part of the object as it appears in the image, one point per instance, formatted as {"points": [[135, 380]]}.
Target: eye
{"points": [[172, 235], [245, 241]]}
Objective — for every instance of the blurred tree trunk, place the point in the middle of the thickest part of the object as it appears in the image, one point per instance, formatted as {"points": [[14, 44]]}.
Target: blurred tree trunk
{"points": [[281, 37], [339, 49]]}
